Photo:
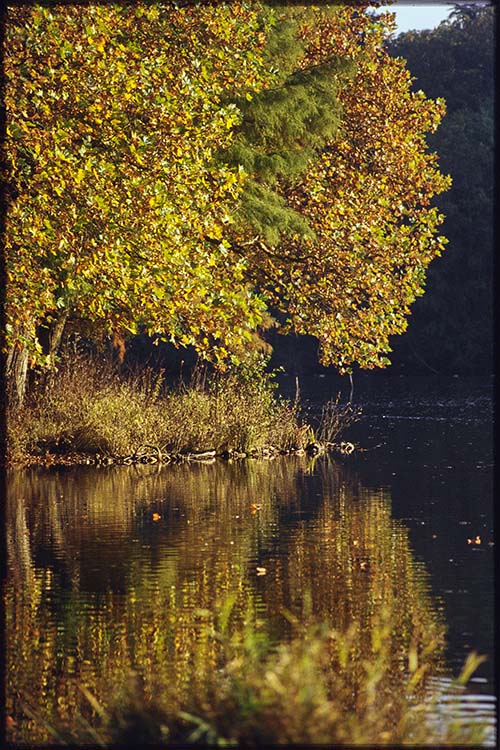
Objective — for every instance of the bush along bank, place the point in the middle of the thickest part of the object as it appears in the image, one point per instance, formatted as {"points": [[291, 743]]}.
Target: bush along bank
{"points": [[86, 411]]}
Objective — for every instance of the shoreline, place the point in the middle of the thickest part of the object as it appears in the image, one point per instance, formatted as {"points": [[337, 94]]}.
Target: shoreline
{"points": [[87, 412], [156, 456]]}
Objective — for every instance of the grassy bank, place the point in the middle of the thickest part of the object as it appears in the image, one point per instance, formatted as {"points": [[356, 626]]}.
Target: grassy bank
{"points": [[88, 410]]}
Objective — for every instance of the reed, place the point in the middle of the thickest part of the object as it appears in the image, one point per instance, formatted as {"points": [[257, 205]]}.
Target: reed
{"points": [[87, 407], [312, 689]]}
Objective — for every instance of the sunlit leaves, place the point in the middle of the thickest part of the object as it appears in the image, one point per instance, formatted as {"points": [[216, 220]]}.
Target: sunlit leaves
{"points": [[366, 200], [178, 169], [114, 116]]}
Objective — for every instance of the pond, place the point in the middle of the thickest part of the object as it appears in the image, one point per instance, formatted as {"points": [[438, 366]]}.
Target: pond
{"points": [[117, 568]]}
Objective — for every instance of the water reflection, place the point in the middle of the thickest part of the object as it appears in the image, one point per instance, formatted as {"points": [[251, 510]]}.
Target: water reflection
{"points": [[121, 568]]}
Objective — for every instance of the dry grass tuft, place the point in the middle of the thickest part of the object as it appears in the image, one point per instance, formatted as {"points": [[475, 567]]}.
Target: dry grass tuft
{"points": [[87, 407]]}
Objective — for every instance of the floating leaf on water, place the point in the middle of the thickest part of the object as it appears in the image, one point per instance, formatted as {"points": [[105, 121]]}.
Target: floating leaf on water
{"points": [[476, 540]]}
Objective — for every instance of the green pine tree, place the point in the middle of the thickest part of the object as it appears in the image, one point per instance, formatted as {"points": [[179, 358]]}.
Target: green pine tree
{"points": [[284, 128]]}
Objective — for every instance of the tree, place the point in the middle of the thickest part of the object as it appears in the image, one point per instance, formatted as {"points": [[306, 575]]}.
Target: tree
{"points": [[349, 270], [183, 169], [452, 326], [285, 126], [118, 210]]}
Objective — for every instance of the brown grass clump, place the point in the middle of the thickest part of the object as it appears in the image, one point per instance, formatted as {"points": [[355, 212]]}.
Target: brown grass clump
{"points": [[87, 407]]}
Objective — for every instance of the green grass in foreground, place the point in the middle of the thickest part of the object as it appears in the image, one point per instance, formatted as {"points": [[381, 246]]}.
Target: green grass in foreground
{"points": [[314, 689], [86, 407]]}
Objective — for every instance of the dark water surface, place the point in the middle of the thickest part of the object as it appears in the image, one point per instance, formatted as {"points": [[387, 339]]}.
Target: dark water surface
{"points": [[113, 568], [435, 460]]}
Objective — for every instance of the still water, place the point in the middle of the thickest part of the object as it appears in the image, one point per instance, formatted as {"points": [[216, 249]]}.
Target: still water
{"points": [[116, 568]]}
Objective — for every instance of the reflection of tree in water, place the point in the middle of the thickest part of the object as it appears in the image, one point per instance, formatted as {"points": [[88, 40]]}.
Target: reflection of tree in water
{"points": [[354, 558], [109, 589]]}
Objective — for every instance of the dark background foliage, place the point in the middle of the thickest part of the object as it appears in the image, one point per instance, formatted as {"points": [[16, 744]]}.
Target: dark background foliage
{"points": [[451, 329]]}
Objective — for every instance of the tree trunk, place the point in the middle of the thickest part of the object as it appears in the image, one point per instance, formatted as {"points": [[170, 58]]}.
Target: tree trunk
{"points": [[17, 372], [56, 334], [50, 334]]}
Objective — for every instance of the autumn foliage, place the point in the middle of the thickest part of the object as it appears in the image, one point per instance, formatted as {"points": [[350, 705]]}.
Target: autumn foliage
{"points": [[114, 117], [367, 199], [129, 211]]}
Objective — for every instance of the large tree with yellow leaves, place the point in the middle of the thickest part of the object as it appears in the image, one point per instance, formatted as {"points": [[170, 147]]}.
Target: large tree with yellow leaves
{"points": [[181, 169]]}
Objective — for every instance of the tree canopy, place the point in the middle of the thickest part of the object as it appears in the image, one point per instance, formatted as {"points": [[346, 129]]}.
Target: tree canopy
{"points": [[452, 325], [114, 114], [350, 279], [185, 170]]}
